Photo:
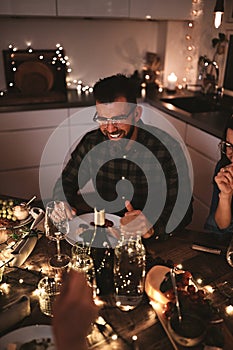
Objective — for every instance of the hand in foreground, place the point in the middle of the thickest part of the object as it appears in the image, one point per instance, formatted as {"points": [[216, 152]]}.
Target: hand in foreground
{"points": [[74, 311], [135, 221], [224, 180]]}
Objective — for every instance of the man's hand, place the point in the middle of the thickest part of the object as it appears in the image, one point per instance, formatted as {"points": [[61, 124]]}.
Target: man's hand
{"points": [[70, 212], [135, 221]]}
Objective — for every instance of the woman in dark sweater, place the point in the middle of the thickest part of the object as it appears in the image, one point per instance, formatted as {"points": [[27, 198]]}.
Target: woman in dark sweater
{"points": [[220, 218]]}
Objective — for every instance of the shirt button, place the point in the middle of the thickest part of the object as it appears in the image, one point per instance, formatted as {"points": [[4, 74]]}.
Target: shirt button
{"points": [[123, 197]]}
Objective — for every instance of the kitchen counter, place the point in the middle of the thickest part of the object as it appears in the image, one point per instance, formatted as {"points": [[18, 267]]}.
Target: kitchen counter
{"points": [[210, 122], [73, 100]]}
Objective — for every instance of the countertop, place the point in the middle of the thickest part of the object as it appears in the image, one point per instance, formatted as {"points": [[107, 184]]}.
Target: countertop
{"points": [[73, 100], [210, 122]]}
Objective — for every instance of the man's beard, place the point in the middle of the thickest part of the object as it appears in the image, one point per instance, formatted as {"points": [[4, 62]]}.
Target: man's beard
{"points": [[117, 148], [128, 136]]}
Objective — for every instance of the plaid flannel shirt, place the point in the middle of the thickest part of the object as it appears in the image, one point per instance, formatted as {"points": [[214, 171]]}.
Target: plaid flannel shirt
{"points": [[145, 165]]}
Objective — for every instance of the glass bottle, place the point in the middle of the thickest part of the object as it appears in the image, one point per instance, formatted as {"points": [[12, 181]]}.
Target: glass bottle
{"points": [[129, 271], [102, 254]]}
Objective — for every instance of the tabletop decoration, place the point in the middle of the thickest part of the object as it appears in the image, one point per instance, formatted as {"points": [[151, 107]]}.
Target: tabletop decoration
{"points": [[49, 288], [129, 271]]}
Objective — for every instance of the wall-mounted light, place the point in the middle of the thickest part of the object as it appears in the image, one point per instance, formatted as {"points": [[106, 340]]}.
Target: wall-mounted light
{"points": [[218, 12]]}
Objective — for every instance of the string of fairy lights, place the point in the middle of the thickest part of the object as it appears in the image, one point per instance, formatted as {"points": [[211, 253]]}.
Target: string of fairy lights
{"points": [[190, 52], [191, 34], [58, 60]]}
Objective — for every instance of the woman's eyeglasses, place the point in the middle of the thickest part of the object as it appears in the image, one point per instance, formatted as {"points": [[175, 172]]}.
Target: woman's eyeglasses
{"points": [[226, 147], [114, 120]]}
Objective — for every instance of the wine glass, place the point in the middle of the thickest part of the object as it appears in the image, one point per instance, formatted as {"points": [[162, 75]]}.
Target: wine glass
{"points": [[56, 228], [83, 262]]}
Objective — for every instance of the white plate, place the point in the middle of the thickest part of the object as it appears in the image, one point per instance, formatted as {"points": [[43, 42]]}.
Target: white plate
{"points": [[26, 334], [73, 235], [23, 222], [154, 278], [158, 300], [18, 224]]}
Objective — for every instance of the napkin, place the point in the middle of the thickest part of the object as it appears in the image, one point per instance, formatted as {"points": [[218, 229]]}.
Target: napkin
{"points": [[14, 312]]}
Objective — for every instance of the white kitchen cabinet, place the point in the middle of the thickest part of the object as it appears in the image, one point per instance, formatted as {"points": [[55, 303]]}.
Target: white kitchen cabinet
{"points": [[93, 8], [28, 7], [204, 153], [24, 138], [203, 169], [161, 10], [33, 119], [80, 122], [204, 143], [21, 183], [27, 147]]}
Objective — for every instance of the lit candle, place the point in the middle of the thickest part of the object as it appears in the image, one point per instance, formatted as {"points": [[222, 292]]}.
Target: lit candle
{"points": [[79, 89], [99, 217], [143, 92], [171, 81], [229, 310]]}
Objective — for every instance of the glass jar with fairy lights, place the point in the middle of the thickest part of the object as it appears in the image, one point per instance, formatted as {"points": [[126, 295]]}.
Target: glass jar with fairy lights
{"points": [[129, 271]]}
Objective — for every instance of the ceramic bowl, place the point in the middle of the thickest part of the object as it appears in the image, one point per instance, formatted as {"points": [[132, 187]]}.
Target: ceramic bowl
{"points": [[189, 332]]}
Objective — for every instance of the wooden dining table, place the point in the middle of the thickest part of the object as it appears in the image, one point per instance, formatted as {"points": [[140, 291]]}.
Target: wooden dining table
{"points": [[141, 327]]}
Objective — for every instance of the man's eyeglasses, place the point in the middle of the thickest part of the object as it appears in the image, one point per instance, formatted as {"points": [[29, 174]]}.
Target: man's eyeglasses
{"points": [[114, 120], [226, 147]]}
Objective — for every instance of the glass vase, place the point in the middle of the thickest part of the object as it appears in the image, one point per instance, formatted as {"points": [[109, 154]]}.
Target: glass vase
{"points": [[129, 271]]}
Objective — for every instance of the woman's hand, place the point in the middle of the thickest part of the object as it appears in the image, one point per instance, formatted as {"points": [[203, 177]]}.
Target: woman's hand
{"points": [[224, 180], [74, 311]]}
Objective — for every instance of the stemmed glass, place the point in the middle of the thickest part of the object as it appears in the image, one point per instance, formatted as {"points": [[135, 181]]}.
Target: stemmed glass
{"points": [[83, 262], [56, 228]]}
